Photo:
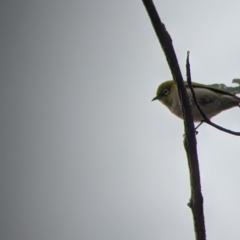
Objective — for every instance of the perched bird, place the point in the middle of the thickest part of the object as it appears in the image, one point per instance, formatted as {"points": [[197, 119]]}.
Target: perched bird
{"points": [[212, 99]]}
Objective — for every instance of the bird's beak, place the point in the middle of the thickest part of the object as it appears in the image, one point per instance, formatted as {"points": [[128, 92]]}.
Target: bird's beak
{"points": [[155, 98]]}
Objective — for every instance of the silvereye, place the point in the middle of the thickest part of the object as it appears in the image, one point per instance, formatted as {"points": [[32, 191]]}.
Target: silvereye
{"points": [[210, 98]]}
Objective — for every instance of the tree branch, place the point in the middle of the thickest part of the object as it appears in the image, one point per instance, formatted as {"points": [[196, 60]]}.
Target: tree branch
{"points": [[190, 138], [205, 118]]}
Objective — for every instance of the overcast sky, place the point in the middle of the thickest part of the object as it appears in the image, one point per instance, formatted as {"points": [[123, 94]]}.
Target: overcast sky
{"points": [[85, 154]]}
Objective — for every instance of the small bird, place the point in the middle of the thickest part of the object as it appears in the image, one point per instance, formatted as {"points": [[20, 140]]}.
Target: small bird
{"points": [[212, 99]]}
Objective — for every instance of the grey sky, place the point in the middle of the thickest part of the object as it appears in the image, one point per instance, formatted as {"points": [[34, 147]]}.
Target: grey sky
{"points": [[85, 154]]}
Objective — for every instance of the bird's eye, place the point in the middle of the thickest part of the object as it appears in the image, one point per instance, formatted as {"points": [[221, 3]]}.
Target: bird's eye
{"points": [[165, 92]]}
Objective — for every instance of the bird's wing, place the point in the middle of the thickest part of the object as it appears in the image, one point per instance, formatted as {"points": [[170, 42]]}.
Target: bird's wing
{"points": [[204, 96], [213, 87]]}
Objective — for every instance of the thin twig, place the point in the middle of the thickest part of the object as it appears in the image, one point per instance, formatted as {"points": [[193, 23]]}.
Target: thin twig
{"points": [[205, 118]]}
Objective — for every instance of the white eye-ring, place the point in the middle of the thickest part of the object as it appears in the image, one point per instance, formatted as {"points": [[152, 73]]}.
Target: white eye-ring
{"points": [[165, 92]]}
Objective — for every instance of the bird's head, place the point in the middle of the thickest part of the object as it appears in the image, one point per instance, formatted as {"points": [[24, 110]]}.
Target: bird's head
{"points": [[164, 92]]}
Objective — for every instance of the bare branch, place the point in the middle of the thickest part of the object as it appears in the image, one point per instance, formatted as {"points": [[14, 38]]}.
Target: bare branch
{"points": [[205, 118], [190, 138]]}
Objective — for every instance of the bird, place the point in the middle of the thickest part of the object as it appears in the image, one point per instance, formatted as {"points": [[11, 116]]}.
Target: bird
{"points": [[212, 99]]}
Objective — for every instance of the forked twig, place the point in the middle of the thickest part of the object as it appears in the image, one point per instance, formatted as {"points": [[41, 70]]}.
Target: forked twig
{"points": [[205, 118]]}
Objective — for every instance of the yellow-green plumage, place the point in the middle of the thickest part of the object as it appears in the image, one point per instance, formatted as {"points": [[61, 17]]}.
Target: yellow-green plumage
{"points": [[212, 100]]}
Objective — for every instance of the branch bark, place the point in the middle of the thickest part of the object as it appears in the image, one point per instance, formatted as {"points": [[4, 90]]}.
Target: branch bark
{"points": [[196, 202]]}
